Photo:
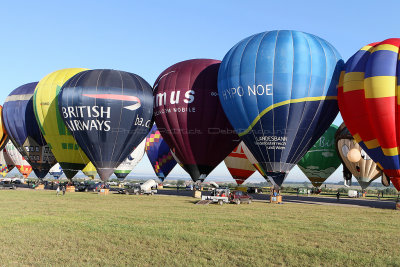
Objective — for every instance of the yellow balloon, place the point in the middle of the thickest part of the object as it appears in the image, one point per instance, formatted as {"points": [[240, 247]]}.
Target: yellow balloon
{"points": [[90, 170], [58, 137], [354, 155]]}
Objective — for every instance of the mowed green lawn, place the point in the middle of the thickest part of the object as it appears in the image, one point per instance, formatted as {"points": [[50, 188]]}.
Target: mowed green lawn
{"points": [[38, 228]]}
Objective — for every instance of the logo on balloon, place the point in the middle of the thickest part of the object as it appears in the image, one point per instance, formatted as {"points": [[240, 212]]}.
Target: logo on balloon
{"points": [[97, 117], [118, 97]]}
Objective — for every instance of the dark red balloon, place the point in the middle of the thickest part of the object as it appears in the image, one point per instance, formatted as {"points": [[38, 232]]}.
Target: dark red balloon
{"points": [[190, 117]]}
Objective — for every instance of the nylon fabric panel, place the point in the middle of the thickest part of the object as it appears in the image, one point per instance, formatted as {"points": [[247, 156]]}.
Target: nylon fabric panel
{"points": [[321, 160], [109, 113], [3, 132], [18, 160], [190, 118], [293, 85], [238, 165], [56, 134], [365, 170], [159, 154], [90, 170], [131, 161], [10, 163], [3, 165], [19, 120], [56, 171], [374, 123]]}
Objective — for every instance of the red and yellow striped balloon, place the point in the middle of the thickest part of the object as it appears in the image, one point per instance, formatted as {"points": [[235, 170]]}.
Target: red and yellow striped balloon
{"points": [[238, 164], [369, 102]]}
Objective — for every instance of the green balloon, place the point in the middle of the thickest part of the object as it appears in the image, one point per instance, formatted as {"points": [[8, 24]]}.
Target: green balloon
{"points": [[321, 160]]}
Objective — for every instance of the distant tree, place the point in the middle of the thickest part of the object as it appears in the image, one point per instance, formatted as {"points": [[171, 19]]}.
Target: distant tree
{"points": [[390, 191], [343, 190], [180, 182]]}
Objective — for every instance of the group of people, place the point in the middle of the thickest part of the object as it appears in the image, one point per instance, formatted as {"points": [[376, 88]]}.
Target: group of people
{"points": [[63, 189]]}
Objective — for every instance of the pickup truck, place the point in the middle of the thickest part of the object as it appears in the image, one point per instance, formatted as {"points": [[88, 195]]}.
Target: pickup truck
{"points": [[147, 188]]}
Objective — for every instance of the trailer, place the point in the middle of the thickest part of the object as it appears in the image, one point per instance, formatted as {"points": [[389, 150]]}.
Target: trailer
{"points": [[218, 195]]}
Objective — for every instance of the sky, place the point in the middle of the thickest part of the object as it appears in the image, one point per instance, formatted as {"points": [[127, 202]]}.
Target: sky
{"points": [[146, 37]]}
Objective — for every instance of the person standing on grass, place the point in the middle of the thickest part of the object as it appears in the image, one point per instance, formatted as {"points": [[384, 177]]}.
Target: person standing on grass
{"points": [[338, 195], [58, 190], [63, 189]]}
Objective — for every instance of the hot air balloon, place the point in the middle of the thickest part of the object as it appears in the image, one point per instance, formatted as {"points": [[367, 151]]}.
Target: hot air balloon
{"points": [[278, 89], [130, 162], [190, 118], [321, 160], [253, 161], [19, 161], [3, 133], [159, 154], [10, 163], [90, 170], [3, 165], [20, 123], [368, 102], [108, 112], [238, 165], [365, 170], [56, 134], [56, 171]]}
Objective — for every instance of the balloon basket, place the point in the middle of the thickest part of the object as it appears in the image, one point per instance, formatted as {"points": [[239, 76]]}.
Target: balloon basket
{"points": [[104, 191], [160, 186], [275, 200], [197, 194], [39, 187], [70, 188]]}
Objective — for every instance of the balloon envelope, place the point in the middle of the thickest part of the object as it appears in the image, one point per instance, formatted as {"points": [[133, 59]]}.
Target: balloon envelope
{"points": [[90, 170], [20, 122], [108, 112], [278, 89], [190, 118], [365, 170], [3, 133], [45, 105], [10, 163], [3, 165], [56, 171], [321, 160], [19, 161], [159, 154], [130, 162], [238, 165], [368, 101]]}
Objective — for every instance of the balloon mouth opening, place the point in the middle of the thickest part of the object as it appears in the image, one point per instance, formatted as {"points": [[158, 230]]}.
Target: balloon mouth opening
{"points": [[358, 168]]}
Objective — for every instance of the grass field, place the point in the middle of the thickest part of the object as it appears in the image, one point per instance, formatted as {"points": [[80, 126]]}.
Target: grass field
{"points": [[38, 228]]}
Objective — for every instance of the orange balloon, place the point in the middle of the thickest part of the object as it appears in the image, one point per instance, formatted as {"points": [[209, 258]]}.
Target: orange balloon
{"points": [[3, 133], [354, 155]]}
